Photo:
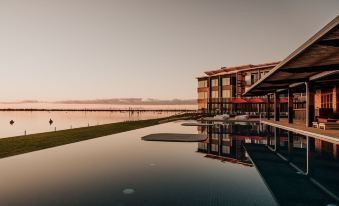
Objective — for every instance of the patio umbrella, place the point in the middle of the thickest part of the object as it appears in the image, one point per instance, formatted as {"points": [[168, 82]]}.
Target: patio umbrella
{"points": [[283, 100], [256, 100], [238, 101]]}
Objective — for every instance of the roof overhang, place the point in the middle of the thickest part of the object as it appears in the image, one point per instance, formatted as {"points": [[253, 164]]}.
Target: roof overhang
{"points": [[316, 60]]}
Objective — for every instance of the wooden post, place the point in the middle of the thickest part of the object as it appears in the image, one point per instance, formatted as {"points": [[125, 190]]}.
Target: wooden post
{"points": [[309, 104], [290, 106], [276, 107]]}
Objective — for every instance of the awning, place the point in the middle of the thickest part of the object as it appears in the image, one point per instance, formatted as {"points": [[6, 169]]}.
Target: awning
{"points": [[317, 60]]}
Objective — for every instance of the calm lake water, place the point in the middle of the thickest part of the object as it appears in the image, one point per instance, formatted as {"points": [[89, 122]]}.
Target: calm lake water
{"points": [[35, 122], [122, 169]]}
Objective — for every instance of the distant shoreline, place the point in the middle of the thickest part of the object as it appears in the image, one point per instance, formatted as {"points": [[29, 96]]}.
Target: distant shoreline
{"points": [[98, 110]]}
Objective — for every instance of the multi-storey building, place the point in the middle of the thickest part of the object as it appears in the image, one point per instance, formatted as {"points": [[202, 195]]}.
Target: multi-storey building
{"points": [[220, 89]]}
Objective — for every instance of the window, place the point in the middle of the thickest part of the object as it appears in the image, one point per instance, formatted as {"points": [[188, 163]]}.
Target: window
{"points": [[202, 83], [327, 99], [254, 78], [215, 94], [226, 93], [248, 79], [215, 82], [202, 95], [226, 81]]}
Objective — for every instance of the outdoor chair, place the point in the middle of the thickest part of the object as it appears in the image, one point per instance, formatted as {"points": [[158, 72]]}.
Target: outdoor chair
{"points": [[329, 125]]}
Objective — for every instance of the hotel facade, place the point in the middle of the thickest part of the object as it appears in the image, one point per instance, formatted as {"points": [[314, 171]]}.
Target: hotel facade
{"points": [[220, 90]]}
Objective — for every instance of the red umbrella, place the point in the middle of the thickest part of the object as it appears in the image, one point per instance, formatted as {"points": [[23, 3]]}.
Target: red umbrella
{"points": [[283, 100], [238, 101], [256, 100]]}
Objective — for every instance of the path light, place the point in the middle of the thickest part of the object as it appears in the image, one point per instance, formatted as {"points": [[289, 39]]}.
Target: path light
{"points": [[50, 121], [11, 122]]}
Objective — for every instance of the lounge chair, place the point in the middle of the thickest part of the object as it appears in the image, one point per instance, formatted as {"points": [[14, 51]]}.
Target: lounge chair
{"points": [[315, 124], [219, 118], [329, 125], [242, 117]]}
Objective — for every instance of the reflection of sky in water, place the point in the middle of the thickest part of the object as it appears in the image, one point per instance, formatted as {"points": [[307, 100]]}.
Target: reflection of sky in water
{"points": [[98, 171], [34, 122]]}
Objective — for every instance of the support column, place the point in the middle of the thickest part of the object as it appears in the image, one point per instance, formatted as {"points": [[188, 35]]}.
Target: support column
{"points": [[290, 106], [209, 100], [276, 107], [309, 104], [221, 109], [268, 107]]}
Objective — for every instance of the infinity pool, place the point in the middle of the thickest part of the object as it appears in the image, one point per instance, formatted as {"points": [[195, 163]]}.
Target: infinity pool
{"points": [[122, 169]]}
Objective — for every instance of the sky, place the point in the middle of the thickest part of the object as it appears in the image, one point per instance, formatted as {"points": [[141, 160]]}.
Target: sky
{"points": [[94, 49]]}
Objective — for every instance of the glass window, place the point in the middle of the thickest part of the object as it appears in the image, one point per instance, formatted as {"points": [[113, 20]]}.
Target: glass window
{"points": [[215, 82], [202, 83], [254, 78], [202, 95], [215, 94], [248, 79], [226, 93], [226, 81], [327, 99]]}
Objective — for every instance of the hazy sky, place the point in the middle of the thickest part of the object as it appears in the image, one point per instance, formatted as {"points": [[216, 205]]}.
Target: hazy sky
{"points": [[89, 49]]}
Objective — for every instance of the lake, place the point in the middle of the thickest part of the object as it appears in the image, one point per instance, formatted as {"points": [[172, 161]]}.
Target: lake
{"points": [[38, 121]]}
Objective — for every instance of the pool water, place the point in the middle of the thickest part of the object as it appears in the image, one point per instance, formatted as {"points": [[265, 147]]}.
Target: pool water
{"points": [[122, 169]]}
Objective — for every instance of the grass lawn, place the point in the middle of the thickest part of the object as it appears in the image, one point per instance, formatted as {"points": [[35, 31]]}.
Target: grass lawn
{"points": [[28, 143]]}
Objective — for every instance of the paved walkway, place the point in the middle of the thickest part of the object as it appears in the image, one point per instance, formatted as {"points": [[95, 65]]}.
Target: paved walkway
{"points": [[299, 127]]}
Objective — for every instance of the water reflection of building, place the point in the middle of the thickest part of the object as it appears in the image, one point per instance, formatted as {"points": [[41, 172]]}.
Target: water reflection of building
{"points": [[317, 158], [226, 142]]}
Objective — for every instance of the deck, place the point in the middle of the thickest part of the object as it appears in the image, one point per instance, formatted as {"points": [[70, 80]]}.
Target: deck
{"points": [[299, 127]]}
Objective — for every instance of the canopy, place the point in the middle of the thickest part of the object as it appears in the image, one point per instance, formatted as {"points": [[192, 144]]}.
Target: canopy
{"points": [[316, 59]]}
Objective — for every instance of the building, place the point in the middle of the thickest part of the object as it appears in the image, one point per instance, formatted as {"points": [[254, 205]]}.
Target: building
{"points": [[312, 69], [219, 90]]}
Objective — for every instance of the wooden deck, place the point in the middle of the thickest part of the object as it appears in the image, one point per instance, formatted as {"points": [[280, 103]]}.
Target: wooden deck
{"points": [[299, 127]]}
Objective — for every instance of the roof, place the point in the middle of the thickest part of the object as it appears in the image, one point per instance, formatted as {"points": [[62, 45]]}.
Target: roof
{"points": [[318, 57], [234, 69]]}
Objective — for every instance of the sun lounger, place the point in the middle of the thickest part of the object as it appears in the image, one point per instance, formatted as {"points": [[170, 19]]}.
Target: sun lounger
{"points": [[241, 117], [315, 124], [217, 118], [329, 125]]}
